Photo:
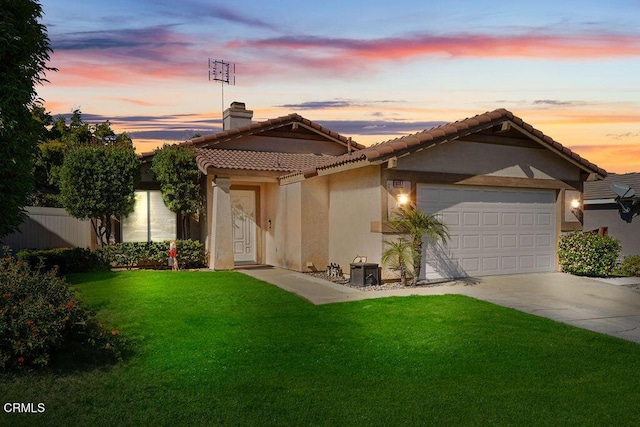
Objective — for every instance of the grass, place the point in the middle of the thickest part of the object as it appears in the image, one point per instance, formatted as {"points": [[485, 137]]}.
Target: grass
{"points": [[226, 349]]}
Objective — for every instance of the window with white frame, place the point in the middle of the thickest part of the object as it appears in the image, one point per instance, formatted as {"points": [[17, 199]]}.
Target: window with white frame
{"points": [[150, 220]]}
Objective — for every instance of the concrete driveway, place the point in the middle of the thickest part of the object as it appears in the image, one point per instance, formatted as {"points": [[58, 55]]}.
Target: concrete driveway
{"points": [[609, 308], [603, 306]]}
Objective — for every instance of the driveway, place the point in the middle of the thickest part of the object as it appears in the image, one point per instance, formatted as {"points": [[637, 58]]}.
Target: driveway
{"points": [[603, 306], [609, 308]]}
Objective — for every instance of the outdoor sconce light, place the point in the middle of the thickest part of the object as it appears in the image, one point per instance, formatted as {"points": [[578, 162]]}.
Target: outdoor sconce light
{"points": [[575, 208], [402, 199]]}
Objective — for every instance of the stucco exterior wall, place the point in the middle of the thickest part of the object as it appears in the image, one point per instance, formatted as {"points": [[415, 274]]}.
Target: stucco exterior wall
{"points": [[354, 202], [315, 223], [283, 239], [475, 158], [608, 216]]}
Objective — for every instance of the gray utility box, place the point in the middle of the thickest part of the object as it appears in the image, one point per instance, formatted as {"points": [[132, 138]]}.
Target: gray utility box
{"points": [[364, 274]]}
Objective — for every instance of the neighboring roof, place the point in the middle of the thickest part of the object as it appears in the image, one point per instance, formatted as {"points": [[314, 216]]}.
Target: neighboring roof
{"points": [[297, 123], [258, 160], [453, 131], [602, 189]]}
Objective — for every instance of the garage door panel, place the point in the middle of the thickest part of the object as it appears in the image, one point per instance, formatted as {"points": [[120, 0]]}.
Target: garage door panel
{"points": [[491, 241], [450, 196], [470, 219], [544, 262], [527, 219], [493, 230], [509, 263], [543, 240], [471, 242], [471, 264], [490, 219], [526, 240], [509, 219], [544, 219], [526, 262], [509, 241], [490, 264]]}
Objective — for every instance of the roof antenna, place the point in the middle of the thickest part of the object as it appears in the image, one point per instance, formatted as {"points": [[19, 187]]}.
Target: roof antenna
{"points": [[223, 72]]}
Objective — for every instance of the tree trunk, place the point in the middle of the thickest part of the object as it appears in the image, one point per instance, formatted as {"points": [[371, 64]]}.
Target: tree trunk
{"points": [[186, 227], [417, 260]]}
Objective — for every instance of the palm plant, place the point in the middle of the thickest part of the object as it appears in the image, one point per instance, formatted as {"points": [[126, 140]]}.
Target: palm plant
{"points": [[399, 257], [417, 225]]}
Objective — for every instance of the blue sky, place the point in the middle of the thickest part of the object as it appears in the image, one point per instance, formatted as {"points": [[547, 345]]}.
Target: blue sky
{"points": [[372, 70]]}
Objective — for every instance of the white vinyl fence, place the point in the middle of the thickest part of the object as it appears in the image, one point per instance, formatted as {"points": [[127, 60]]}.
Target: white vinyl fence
{"points": [[47, 228]]}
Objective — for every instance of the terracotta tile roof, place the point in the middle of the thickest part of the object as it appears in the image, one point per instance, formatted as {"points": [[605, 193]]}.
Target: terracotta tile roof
{"points": [[258, 160], [602, 189], [452, 131], [211, 140]]}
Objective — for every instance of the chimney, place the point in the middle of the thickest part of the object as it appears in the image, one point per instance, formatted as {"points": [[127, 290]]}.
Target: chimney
{"points": [[236, 116]]}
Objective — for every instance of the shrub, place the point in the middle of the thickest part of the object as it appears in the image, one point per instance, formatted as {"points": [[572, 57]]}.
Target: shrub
{"points": [[153, 254], [630, 266], [98, 182], [67, 260], [190, 253], [588, 254], [39, 314]]}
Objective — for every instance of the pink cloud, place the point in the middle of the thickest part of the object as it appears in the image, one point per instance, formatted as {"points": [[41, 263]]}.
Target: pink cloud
{"points": [[537, 46], [124, 56], [163, 53]]}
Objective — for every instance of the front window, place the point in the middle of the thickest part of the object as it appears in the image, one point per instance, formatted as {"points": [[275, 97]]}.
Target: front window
{"points": [[150, 220]]}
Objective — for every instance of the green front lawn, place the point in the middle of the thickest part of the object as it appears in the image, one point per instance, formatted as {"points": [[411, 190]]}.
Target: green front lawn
{"points": [[226, 349]]}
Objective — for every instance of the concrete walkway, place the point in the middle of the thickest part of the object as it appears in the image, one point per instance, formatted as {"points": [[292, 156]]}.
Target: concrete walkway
{"points": [[598, 305]]}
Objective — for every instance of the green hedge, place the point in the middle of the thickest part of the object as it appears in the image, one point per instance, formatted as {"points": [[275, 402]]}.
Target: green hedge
{"points": [[630, 266], [153, 254], [137, 254], [66, 260], [588, 254]]}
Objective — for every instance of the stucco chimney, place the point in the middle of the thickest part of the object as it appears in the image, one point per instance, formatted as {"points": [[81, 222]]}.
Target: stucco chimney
{"points": [[236, 116]]}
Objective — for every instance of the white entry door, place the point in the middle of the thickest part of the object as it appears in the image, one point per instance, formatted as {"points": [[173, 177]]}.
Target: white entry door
{"points": [[493, 230], [243, 205]]}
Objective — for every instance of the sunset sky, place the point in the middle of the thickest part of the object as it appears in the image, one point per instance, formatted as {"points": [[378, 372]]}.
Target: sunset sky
{"points": [[372, 70]]}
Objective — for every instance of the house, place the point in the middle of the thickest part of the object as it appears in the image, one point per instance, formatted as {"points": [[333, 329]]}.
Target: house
{"points": [[601, 211], [290, 193]]}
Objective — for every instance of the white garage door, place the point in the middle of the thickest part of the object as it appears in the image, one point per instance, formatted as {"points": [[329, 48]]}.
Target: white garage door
{"points": [[493, 231]]}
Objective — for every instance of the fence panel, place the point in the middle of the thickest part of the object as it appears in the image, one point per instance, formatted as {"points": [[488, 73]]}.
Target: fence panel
{"points": [[47, 228]]}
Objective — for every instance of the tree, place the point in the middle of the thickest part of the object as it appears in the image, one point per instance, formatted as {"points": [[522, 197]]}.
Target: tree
{"points": [[98, 182], [176, 170], [24, 53], [417, 225], [56, 141], [399, 257]]}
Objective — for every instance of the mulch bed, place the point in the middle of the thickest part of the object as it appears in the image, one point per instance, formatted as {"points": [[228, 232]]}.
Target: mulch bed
{"points": [[391, 285]]}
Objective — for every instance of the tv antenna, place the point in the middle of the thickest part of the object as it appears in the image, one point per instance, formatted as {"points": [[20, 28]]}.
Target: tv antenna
{"points": [[628, 202], [223, 72]]}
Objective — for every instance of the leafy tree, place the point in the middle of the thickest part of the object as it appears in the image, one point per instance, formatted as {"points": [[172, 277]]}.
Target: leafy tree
{"points": [[176, 170], [417, 224], [97, 182], [399, 257], [57, 141], [24, 53], [124, 140]]}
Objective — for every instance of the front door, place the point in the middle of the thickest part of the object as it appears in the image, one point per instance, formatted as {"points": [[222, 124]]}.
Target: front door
{"points": [[243, 205]]}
